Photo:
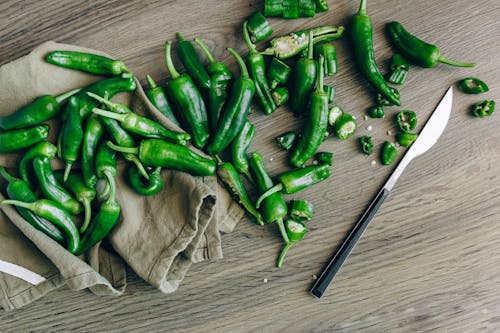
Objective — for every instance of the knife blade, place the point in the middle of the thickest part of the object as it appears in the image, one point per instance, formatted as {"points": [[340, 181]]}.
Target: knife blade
{"points": [[429, 135], [21, 272]]}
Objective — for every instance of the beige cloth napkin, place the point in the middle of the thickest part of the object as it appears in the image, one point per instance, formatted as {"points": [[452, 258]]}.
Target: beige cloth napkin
{"points": [[158, 236]]}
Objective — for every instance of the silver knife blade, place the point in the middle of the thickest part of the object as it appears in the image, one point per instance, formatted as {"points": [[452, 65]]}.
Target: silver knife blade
{"points": [[21, 272], [427, 138]]}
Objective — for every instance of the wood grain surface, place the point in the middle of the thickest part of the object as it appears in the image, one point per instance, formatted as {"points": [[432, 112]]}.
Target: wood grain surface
{"points": [[430, 260]]}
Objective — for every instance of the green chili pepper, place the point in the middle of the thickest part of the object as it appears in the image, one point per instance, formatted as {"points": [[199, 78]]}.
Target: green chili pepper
{"points": [[287, 140], [257, 69], [273, 8], [303, 80], [345, 126], [258, 27], [407, 120], [54, 213], [187, 101], [376, 111], [406, 139], [307, 8], [291, 9], [231, 178], [278, 73], [321, 6], [148, 187], [280, 96], [296, 180], [399, 69], [18, 189], [192, 62], [105, 164], [483, 109], [330, 91], [416, 50], [15, 140], [295, 231], [301, 210], [315, 125], [362, 42], [273, 208], [327, 50], [324, 157], [221, 78], [471, 85], [94, 131], [157, 96], [235, 110], [71, 134], [41, 109], [389, 153], [333, 114], [288, 46], [381, 100], [87, 62], [156, 152], [366, 144], [239, 148], [42, 149]]}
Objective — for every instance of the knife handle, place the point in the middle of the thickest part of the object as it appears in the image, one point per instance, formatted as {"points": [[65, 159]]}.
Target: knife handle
{"points": [[345, 248]]}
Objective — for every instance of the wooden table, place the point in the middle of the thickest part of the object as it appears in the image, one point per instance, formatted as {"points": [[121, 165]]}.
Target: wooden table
{"points": [[430, 259]]}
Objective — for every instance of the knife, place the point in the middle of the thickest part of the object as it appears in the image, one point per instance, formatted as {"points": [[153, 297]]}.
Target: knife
{"points": [[21, 272], [427, 138]]}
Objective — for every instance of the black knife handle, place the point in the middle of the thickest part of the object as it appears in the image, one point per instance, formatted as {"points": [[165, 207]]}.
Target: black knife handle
{"points": [[345, 248]]}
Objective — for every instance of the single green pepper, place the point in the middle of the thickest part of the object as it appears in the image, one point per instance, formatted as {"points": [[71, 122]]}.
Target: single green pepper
{"points": [[416, 50], [280, 96], [231, 178], [389, 153], [41, 109], [483, 109], [278, 73], [301, 210], [105, 165], [321, 6], [315, 124], [399, 69], [333, 114], [192, 62], [288, 46], [345, 126], [291, 9], [221, 78], [273, 207], [406, 139], [156, 152], [157, 96], [144, 186], [41, 149], [54, 213], [307, 8], [94, 130], [376, 111], [327, 50], [406, 120], [324, 157], [295, 231], [273, 8], [187, 102], [287, 140], [87, 62], [239, 148], [235, 110], [362, 43], [18, 189], [471, 85], [303, 80], [257, 69], [366, 144], [258, 27], [15, 140], [71, 134], [296, 180]]}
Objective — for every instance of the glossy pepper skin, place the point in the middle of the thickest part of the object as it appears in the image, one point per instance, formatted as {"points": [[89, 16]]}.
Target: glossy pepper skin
{"points": [[303, 79], [273, 208], [257, 68], [287, 140], [94, 130], [235, 110], [239, 148], [301, 210], [388, 153], [71, 134], [416, 50], [158, 97], [321, 6], [315, 124], [258, 27], [41, 109], [362, 44], [18, 189], [187, 102], [278, 73], [55, 213], [156, 152], [42, 149], [406, 139], [192, 62], [471, 85], [329, 53], [143, 186], [221, 78], [18, 139], [87, 62], [399, 69]]}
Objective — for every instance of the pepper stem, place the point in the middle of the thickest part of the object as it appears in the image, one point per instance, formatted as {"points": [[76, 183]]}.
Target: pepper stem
{"points": [[64, 96], [455, 63], [112, 185], [283, 253], [310, 48], [282, 229], [88, 214], [67, 170], [125, 150], [8, 177], [180, 37], [248, 41], [168, 58], [205, 50], [243, 67], [112, 106], [151, 82], [328, 37], [362, 8], [263, 196], [108, 114], [138, 164], [27, 205]]}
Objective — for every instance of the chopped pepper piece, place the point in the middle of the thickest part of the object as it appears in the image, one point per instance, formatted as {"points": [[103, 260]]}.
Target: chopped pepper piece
{"points": [[389, 153], [301, 209], [484, 108], [345, 126], [407, 120], [278, 73], [334, 113], [472, 85], [273, 8], [399, 69], [258, 27], [376, 111], [406, 139], [324, 157], [366, 144], [280, 96], [287, 140]]}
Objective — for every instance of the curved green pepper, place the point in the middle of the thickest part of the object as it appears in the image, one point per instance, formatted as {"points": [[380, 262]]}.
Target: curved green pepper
{"points": [[42, 149], [71, 134], [192, 62], [303, 79], [158, 98], [239, 148], [152, 186], [15, 140], [94, 131], [87, 62]]}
